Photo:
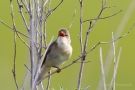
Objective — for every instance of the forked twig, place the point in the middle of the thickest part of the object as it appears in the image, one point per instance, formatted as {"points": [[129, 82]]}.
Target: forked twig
{"points": [[104, 17], [13, 29], [22, 15], [112, 40], [51, 11]]}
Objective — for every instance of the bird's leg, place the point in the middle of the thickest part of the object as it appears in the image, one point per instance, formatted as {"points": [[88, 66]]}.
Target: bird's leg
{"points": [[58, 69]]}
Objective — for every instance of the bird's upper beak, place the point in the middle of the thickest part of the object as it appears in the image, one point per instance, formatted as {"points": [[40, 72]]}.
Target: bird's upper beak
{"points": [[61, 34]]}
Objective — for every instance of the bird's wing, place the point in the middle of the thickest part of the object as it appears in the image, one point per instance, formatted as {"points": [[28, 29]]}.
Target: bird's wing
{"points": [[48, 51]]}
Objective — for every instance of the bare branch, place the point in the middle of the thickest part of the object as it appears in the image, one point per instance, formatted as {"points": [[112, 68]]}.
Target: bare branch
{"points": [[27, 68], [24, 2], [14, 27], [23, 41], [24, 20], [104, 17], [17, 32], [113, 40], [51, 11], [81, 47], [95, 21]]}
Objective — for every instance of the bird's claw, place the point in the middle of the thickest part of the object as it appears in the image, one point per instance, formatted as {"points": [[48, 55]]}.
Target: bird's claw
{"points": [[58, 69]]}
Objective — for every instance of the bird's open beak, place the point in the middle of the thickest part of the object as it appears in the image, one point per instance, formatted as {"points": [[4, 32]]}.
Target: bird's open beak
{"points": [[61, 34]]}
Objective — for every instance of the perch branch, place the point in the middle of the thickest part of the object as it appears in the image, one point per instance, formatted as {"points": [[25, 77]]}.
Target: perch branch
{"points": [[74, 61]]}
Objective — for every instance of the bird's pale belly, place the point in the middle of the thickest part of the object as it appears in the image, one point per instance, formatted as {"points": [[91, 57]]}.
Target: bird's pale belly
{"points": [[56, 60]]}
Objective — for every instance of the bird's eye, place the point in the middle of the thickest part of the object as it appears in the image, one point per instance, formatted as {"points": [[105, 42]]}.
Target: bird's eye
{"points": [[66, 35]]}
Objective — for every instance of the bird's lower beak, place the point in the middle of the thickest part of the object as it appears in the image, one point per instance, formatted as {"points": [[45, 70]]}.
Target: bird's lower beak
{"points": [[61, 34]]}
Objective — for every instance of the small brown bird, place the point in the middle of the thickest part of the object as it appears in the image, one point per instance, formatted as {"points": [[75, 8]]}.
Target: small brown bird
{"points": [[58, 52]]}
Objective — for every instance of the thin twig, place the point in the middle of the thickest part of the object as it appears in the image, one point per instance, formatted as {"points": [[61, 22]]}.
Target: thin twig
{"points": [[17, 32], [73, 62], [114, 61], [22, 88], [114, 74], [27, 68], [23, 40], [24, 2], [72, 19], [49, 80], [87, 87], [104, 17], [41, 86], [51, 11], [112, 40], [14, 27], [101, 11], [22, 15], [102, 68]]}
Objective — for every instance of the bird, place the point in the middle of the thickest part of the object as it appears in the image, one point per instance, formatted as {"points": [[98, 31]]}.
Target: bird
{"points": [[58, 53]]}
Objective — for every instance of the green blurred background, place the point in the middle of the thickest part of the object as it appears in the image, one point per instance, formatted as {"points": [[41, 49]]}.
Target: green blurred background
{"points": [[61, 18]]}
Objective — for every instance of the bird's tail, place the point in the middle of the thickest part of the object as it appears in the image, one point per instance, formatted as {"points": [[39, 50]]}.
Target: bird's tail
{"points": [[42, 74]]}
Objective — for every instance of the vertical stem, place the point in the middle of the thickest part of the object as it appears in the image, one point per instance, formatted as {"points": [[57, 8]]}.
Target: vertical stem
{"points": [[32, 35], [102, 68], [49, 80], [114, 61], [80, 37], [81, 27], [14, 27]]}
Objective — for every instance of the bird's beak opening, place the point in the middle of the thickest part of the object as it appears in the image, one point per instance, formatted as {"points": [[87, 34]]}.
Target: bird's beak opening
{"points": [[61, 34]]}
